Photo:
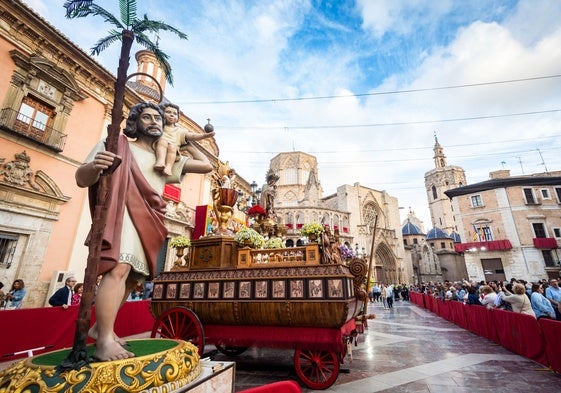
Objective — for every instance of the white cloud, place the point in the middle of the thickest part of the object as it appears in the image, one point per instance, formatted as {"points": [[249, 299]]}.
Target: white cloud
{"points": [[246, 50]]}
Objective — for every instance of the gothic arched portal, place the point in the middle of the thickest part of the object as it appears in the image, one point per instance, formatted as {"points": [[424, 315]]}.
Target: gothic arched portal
{"points": [[386, 266]]}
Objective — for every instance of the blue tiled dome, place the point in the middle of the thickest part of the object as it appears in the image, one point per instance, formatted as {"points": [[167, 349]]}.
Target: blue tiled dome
{"points": [[456, 237], [437, 233], [411, 229]]}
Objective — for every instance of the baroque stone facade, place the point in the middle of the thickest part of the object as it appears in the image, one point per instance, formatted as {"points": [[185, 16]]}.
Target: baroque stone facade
{"points": [[55, 106]]}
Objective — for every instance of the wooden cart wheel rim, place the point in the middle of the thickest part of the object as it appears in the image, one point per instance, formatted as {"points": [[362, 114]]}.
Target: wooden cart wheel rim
{"points": [[180, 323], [317, 369]]}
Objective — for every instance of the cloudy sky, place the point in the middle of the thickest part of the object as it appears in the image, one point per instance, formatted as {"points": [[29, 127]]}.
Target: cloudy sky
{"points": [[363, 85]]}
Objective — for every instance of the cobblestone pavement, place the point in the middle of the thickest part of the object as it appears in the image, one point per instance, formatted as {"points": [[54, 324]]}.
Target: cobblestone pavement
{"points": [[409, 349]]}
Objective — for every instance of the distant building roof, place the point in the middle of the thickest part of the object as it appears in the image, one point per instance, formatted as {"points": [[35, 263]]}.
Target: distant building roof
{"points": [[437, 233], [456, 237], [411, 229], [504, 183]]}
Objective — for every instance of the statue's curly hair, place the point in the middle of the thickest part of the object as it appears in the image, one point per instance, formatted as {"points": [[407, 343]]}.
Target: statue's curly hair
{"points": [[130, 127], [169, 104]]}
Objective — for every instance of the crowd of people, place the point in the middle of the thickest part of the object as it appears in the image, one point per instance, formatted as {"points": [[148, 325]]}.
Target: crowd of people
{"points": [[541, 299], [13, 299], [68, 295], [387, 294]]}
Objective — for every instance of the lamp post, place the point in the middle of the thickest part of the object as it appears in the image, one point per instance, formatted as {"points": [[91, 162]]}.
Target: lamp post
{"points": [[251, 200]]}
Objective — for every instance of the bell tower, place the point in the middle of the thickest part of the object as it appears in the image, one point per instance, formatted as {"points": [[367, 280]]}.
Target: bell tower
{"points": [[442, 178], [147, 64]]}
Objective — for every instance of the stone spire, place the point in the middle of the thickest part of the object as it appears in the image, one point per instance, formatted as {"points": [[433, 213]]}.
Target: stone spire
{"points": [[439, 157]]}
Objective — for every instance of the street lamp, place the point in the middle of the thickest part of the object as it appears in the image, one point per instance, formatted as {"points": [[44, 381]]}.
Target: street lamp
{"points": [[251, 200], [253, 187]]}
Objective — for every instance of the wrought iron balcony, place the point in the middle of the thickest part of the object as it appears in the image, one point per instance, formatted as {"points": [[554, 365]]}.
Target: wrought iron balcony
{"points": [[20, 124]]}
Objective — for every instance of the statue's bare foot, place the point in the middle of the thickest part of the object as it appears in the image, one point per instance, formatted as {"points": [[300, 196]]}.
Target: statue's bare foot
{"points": [[92, 333], [167, 170], [109, 350], [159, 166]]}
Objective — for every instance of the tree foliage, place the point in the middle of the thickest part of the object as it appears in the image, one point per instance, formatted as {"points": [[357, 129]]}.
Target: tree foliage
{"points": [[128, 20]]}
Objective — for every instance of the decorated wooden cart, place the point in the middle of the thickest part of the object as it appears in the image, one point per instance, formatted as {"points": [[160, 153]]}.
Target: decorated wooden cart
{"points": [[236, 297]]}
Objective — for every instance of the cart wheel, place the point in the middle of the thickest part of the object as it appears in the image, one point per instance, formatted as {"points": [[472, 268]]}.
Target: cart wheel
{"points": [[230, 350], [180, 323], [317, 369]]}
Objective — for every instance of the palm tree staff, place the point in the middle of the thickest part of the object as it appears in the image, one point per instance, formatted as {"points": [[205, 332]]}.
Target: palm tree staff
{"points": [[131, 27]]}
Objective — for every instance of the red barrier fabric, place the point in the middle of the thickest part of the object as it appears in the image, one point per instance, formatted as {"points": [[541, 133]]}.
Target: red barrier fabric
{"points": [[444, 309], [551, 331], [521, 334], [276, 387], [134, 318], [457, 314], [54, 327], [432, 304], [480, 321], [416, 298]]}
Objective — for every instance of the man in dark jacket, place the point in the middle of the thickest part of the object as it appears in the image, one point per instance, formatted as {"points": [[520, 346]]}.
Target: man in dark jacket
{"points": [[63, 296]]}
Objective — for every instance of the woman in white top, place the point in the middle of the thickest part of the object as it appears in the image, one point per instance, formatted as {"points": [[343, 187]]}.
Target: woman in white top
{"points": [[488, 296], [519, 300], [384, 297]]}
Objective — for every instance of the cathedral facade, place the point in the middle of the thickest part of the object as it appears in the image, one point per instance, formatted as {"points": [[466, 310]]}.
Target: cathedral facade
{"points": [[365, 219]]}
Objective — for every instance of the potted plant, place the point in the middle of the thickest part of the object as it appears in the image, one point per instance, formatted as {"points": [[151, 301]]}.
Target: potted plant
{"points": [[248, 237], [274, 242], [312, 230], [180, 242]]}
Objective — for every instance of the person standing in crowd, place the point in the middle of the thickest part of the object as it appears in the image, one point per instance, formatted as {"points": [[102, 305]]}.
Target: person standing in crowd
{"points": [[371, 296], [518, 300], [15, 297], [376, 293], [461, 292], [488, 296], [405, 292], [473, 297], [541, 306], [389, 295], [148, 288], [553, 294], [63, 296], [383, 296], [77, 297]]}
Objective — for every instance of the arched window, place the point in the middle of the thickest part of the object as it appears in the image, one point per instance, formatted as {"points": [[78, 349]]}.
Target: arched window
{"points": [[290, 176], [434, 194]]}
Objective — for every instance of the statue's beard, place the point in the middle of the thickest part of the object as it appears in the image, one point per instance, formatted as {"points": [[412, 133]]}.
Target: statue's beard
{"points": [[151, 131]]}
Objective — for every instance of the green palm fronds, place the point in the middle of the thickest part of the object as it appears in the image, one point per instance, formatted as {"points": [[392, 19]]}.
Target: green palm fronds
{"points": [[128, 21]]}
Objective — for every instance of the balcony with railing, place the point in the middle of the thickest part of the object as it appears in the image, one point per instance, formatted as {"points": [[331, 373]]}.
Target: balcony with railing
{"points": [[491, 245], [17, 123], [545, 242]]}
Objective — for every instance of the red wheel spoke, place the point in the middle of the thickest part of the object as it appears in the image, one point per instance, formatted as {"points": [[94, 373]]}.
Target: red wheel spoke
{"points": [[317, 369], [180, 323]]}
